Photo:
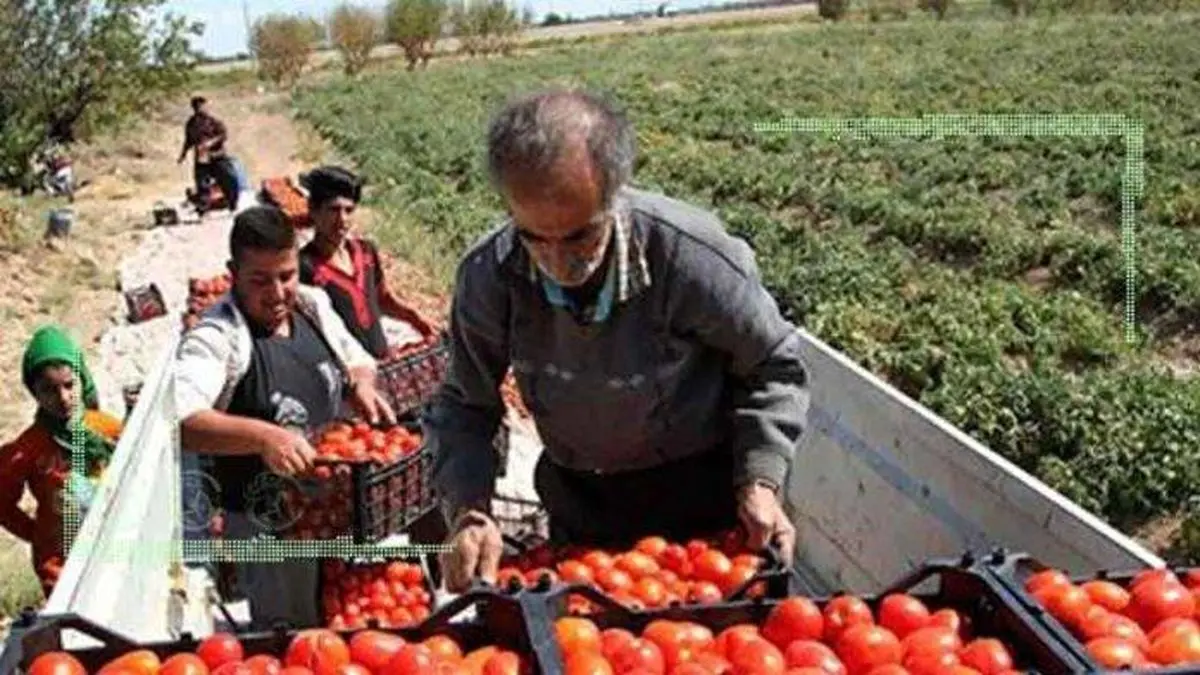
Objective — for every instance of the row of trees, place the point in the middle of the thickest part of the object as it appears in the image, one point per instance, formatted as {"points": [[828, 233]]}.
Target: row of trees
{"points": [[900, 9], [284, 43]]}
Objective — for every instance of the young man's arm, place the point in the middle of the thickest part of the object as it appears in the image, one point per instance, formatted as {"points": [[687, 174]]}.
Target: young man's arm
{"points": [[390, 303], [201, 367]]}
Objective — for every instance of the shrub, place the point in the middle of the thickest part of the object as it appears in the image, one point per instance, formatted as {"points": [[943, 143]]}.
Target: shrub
{"points": [[283, 45], [354, 31], [486, 27], [415, 26]]}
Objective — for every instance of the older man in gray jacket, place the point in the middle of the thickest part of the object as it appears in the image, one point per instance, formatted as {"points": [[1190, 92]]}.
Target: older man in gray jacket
{"points": [[668, 389]]}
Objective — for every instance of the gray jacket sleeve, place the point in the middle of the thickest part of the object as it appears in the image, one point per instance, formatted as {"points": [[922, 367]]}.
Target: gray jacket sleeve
{"points": [[465, 414], [718, 299]]}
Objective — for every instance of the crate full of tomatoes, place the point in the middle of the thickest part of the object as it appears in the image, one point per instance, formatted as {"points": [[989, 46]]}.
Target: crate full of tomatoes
{"points": [[285, 195], [1145, 621], [392, 594], [202, 294], [409, 375], [654, 573], [367, 483], [495, 641], [946, 618]]}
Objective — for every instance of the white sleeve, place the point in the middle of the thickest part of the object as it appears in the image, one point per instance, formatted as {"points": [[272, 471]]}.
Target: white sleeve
{"points": [[201, 366]]}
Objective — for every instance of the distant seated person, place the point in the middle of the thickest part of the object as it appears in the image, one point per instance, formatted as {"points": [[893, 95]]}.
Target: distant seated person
{"points": [[346, 266], [68, 424]]}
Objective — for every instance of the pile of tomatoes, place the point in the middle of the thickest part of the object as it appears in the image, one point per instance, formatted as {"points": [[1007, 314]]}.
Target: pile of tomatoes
{"points": [[202, 294], [654, 573], [797, 638], [281, 192], [394, 594], [311, 652], [1155, 621], [326, 513]]}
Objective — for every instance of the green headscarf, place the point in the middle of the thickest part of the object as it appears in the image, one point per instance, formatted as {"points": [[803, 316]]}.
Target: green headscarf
{"points": [[51, 345]]}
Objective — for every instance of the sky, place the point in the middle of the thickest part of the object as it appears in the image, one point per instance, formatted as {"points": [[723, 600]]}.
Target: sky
{"points": [[225, 23]]}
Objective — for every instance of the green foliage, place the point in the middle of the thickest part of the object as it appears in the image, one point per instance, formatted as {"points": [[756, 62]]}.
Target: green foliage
{"points": [[984, 277], [416, 26], [283, 44], [355, 32], [73, 68], [486, 27], [878, 10]]}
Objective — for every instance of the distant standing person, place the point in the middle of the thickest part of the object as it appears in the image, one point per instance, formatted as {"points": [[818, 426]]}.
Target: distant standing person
{"points": [[347, 266], [205, 136]]}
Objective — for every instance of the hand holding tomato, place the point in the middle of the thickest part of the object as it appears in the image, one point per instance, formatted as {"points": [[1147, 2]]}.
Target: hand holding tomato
{"points": [[475, 551], [370, 403], [284, 452], [763, 517]]}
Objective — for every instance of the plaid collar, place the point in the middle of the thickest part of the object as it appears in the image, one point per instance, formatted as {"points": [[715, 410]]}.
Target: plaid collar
{"points": [[628, 272]]}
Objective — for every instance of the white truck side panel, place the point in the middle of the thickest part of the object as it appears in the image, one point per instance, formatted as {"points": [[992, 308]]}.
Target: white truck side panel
{"points": [[118, 572], [881, 483]]}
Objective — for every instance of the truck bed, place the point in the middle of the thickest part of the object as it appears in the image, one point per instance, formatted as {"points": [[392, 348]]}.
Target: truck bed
{"points": [[879, 485]]}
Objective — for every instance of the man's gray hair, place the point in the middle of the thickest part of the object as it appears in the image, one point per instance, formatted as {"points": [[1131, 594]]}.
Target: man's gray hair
{"points": [[533, 134]]}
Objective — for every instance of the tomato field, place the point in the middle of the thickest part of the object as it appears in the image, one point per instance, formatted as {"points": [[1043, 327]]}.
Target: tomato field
{"points": [[983, 276]]}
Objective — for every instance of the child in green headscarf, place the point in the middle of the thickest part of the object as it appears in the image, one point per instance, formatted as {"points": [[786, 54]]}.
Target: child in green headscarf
{"points": [[67, 420]]}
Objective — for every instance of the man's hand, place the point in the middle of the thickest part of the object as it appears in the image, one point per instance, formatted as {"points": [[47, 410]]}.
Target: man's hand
{"points": [[475, 551], [371, 404], [765, 521], [286, 453]]}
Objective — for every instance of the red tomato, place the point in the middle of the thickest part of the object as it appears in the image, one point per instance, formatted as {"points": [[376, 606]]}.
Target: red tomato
{"points": [[443, 648], [264, 665], [947, 618], [987, 655], [374, 649], [1113, 653], [1154, 601], [757, 657], [611, 639], [576, 634], [902, 614], [183, 664], [813, 654], [233, 668], [56, 663], [218, 649], [1107, 595], [639, 654], [1069, 604], [937, 639], [502, 663], [587, 663], [842, 613], [1176, 648], [321, 651], [734, 637], [142, 661], [1046, 579], [862, 647], [930, 662], [411, 660], [793, 619]]}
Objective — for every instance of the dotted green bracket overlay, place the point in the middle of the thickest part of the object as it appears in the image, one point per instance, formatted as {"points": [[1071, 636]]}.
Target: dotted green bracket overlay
{"points": [[934, 127]]}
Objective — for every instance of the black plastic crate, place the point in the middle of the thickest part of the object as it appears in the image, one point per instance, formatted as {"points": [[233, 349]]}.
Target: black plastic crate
{"points": [[498, 619], [958, 585], [1012, 572], [409, 378], [370, 501], [525, 523], [144, 303]]}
